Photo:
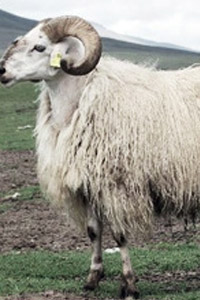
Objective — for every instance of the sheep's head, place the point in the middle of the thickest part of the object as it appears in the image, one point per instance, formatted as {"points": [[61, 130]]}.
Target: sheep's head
{"points": [[67, 44]]}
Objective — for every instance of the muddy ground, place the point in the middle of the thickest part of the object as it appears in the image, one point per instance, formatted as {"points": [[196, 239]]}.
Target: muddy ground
{"points": [[36, 225]]}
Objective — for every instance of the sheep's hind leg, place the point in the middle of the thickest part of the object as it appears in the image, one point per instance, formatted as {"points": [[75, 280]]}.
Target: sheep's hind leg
{"points": [[128, 288], [94, 228]]}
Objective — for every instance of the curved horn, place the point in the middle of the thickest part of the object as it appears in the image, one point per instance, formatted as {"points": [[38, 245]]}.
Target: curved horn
{"points": [[59, 28]]}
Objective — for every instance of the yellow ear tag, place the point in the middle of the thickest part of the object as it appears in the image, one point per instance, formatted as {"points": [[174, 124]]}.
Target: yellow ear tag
{"points": [[55, 61]]}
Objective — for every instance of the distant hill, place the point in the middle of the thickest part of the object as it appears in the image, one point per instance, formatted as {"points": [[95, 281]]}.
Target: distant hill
{"points": [[137, 50], [12, 26], [15, 22]]}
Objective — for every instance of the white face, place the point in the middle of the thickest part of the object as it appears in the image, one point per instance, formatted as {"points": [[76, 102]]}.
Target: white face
{"points": [[29, 58]]}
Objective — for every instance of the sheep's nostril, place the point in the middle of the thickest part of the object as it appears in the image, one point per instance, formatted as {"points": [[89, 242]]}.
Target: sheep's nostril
{"points": [[2, 70]]}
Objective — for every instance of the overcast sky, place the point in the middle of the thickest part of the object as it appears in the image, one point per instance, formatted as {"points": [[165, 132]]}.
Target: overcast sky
{"points": [[172, 21]]}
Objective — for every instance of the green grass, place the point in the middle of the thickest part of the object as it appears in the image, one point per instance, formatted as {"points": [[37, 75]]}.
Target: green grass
{"points": [[5, 207], [25, 194], [17, 109], [66, 272], [30, 193]]}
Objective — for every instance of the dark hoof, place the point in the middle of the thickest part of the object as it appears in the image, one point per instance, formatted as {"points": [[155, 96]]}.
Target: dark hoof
{"points": [[128, 291], [90, 286], [102, 275], [136, 278], [136, 294], [93, 280]]}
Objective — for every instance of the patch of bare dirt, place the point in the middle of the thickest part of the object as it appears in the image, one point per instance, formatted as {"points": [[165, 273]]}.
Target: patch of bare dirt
{"points": [[17, 169], [172, 280], [36, 225]]}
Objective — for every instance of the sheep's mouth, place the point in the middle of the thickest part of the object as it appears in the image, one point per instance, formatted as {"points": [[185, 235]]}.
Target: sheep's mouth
{"points": [[36, 80], [6, 81], [10, 81]]}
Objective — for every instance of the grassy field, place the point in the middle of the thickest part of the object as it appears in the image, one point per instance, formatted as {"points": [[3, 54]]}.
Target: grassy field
{"points": [[17, 117], [160, 267], [66, 271]]}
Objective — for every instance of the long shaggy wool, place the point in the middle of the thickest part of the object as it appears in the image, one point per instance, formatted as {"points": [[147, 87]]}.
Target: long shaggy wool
{"points": [[132, 147]]}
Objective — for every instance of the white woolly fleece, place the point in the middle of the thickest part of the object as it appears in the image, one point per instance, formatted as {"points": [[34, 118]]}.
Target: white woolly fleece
{"points": [[132, 146]]}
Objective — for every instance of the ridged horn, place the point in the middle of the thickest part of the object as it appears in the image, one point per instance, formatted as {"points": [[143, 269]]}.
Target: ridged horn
{"points": [[59, 28]]}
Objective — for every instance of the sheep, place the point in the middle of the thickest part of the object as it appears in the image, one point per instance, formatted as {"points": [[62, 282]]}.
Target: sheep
{"points": [[116, 142]]}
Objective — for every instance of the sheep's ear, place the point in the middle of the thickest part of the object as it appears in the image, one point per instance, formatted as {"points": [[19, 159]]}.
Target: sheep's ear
{"points": [[71, 50]]}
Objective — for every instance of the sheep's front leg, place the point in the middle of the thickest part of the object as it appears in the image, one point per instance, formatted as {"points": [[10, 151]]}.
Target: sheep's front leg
{"points": [[128, 288], [94, 228]]}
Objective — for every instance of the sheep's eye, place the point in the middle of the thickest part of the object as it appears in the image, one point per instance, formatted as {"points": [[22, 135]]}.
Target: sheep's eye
{"points": [[39, 48]]}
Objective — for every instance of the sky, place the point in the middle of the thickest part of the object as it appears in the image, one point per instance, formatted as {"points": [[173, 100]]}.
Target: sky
{"points": [[171, 21]]}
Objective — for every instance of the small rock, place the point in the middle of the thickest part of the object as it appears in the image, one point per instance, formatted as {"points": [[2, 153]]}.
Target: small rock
{"points": [[112, 250]]}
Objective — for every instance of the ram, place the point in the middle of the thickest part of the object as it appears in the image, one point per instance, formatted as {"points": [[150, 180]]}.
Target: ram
{"points": [[116, 142]]}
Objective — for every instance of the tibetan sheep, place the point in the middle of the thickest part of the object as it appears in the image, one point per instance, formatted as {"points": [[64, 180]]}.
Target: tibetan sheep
{"points": [[116, 142]]}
